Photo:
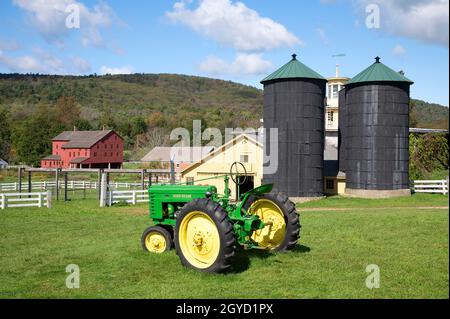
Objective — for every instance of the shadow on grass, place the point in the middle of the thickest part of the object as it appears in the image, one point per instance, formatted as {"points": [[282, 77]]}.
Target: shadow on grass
{"points": [[242, 260]]}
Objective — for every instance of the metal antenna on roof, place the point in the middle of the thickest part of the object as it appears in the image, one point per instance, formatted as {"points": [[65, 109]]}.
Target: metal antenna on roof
{"points": [[337, 65]]}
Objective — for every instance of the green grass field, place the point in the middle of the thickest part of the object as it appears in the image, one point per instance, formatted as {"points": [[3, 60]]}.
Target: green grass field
{"points": [[410, 245]]}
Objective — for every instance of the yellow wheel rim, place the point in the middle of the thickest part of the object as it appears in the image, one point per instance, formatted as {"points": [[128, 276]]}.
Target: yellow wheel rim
{"points": [[155, 242], [199, 239], [271, 236]]}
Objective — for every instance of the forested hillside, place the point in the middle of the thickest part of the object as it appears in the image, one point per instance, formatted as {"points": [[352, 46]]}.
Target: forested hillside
{"points": [[143, 108]]}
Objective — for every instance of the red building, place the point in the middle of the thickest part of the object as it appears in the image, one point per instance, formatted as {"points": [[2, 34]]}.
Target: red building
{"points": [[85, 149]]}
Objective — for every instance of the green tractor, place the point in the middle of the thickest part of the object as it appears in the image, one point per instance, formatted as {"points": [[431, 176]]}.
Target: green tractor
{"points": [[206, 227]]}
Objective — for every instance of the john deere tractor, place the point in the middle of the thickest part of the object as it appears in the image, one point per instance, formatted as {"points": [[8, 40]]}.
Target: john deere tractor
{"points": [[206, 227]]}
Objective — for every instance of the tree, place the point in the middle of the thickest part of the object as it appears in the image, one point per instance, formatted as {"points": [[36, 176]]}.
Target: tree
{"points": [[427, 153], [32, 139], [412, 114], [5, 135], [67, 111]]}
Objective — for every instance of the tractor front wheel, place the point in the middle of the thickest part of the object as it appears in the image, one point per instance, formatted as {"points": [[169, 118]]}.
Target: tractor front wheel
{"points": [[204, 237], [282, 229], [156, 239]]}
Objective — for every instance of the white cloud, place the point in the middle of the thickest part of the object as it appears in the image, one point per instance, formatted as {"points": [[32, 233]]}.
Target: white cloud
{"points": [[116, 70], [12, 45], [399, 50], [40, 62], [81, 65], [243, 65], [233, 24], [424, 20], [323, 35], [49, 18]]}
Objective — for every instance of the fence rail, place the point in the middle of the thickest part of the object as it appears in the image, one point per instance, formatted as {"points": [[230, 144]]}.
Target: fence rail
{"points": [[132, 197], [8, 200], [430, 186], [45, 185]]}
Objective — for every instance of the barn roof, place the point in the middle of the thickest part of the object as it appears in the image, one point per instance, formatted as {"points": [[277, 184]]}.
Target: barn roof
{"points": [[81, 139], [78, 160], [180, 154], [223, 148], [52, 158]]}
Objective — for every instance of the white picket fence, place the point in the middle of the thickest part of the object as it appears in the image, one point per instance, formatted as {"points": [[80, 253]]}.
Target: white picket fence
{"points": [[132, 197], [43, 199], [430, 186]]}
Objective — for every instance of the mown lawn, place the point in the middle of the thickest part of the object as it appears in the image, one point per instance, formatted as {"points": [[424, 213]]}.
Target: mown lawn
{"points": [[409, 245]]}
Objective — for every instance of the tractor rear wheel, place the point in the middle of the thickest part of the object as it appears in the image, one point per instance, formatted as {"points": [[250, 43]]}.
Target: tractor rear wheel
{"points": [[204, 237], [156, 239], [282, 229]]}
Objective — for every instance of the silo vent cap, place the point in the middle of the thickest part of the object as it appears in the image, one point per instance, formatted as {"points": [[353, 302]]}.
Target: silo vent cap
{"points": [[294, 56], [377, 59]]}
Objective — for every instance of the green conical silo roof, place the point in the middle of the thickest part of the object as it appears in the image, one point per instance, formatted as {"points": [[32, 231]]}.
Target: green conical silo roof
{"points": [[379, 72], [294, 69]]}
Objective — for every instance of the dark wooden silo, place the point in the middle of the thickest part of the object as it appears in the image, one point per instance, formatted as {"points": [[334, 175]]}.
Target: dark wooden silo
{"points": [[376, 133], [294, 104], [342, 125]]}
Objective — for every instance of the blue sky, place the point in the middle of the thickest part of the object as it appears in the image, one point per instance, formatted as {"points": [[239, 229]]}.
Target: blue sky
{"points": [[240, 41]]}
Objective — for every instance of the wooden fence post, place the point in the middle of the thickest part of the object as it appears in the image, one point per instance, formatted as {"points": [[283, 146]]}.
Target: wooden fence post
{"points": [[103, 186], [133, 200], [20, 180], [49, 199], [2, 201], [40, 199]]}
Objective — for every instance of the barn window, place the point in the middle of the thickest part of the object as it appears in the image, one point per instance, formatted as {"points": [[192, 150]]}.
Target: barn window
{"points": [[330, 117], [244, 158], [335, 91], [106, 154], [330, 184], [117, 154], [95, 153], [190, 180]]}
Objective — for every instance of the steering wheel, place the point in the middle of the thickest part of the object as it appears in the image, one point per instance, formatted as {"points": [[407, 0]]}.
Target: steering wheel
{"points": [[234, 173]]}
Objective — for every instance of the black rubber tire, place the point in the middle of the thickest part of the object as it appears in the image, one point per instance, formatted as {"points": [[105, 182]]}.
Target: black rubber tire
{"points": [[166, 234], [291, 218], [225, 230]]}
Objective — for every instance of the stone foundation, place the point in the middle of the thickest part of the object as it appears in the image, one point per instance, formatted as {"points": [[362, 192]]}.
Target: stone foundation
{"points": [[373, 193]]}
